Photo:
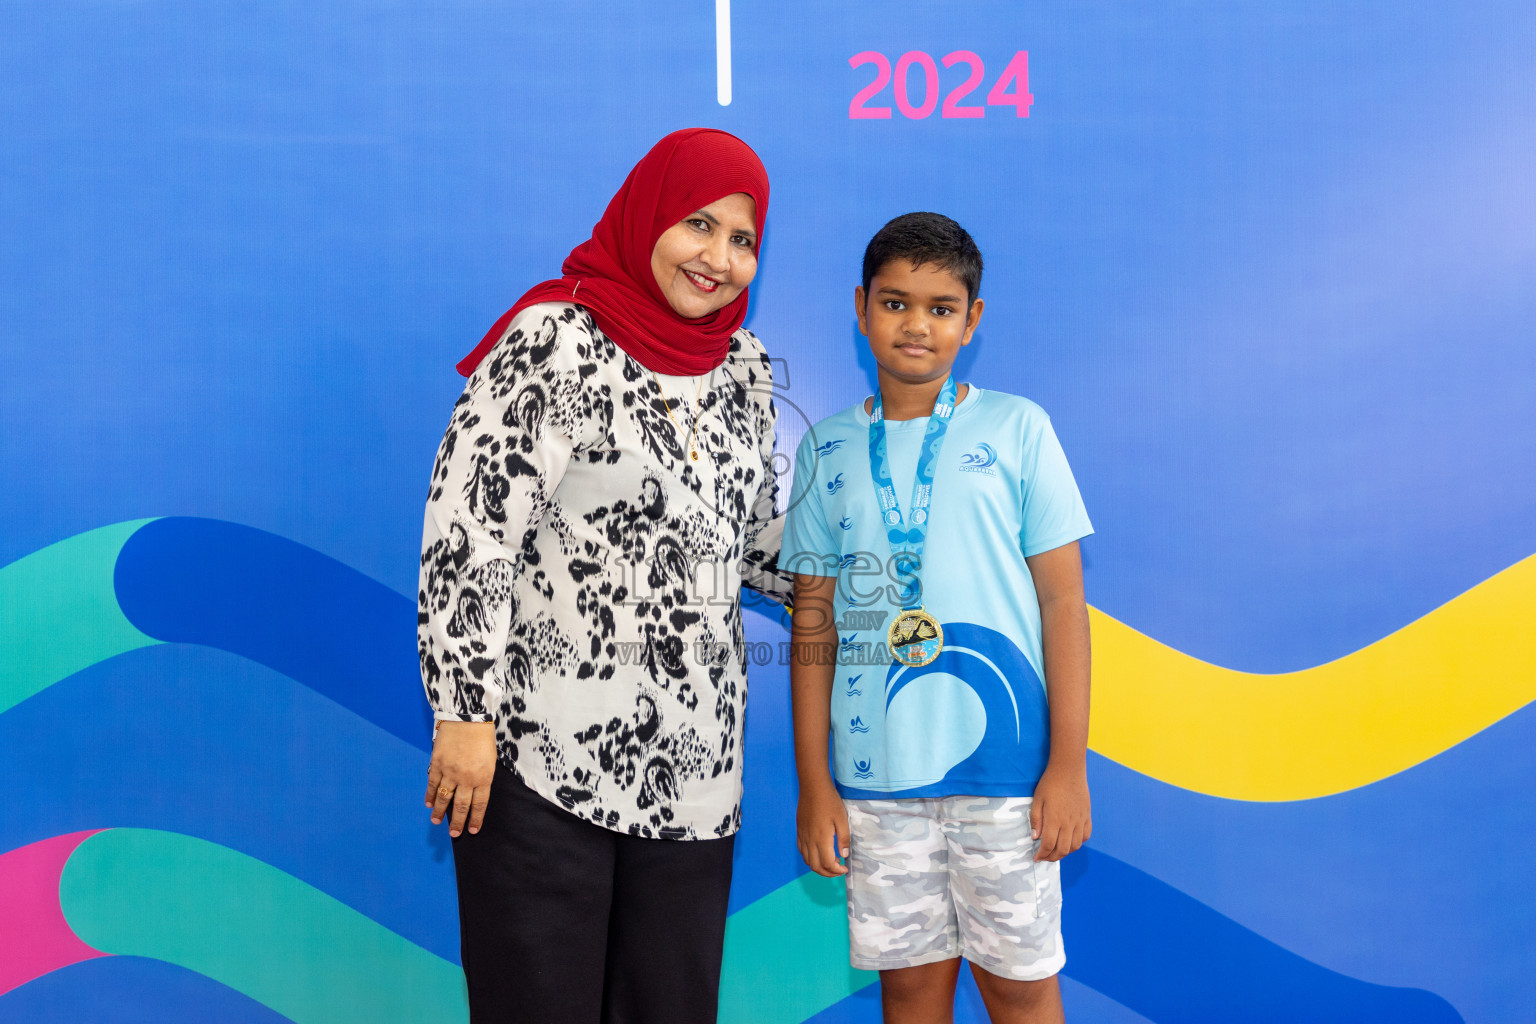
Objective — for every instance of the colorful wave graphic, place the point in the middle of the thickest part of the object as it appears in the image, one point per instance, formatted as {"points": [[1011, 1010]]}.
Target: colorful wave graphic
{"points": [[226, 916], [1349, 723], [223, 587], [1239, 735], [298, 951], [34, 937], [188, 739]]}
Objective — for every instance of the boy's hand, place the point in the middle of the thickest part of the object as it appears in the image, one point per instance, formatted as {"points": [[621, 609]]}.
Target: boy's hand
{"points": [[1059, 816], [822, 824]]}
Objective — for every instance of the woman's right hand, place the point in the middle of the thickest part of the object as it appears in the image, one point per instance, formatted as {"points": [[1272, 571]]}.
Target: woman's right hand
{"points": [[463, 764], [822, 823]]}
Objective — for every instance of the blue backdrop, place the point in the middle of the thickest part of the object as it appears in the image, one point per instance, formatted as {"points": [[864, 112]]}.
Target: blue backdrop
{"points": [[1270, 268]]}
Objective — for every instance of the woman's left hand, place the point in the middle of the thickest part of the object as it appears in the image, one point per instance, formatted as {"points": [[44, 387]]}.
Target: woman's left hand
{"points": [[463, 765]]}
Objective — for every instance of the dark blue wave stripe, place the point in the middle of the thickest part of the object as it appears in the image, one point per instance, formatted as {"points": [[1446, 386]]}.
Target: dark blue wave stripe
{"points": [[1175, 960], [130, 990], [283, 605]]}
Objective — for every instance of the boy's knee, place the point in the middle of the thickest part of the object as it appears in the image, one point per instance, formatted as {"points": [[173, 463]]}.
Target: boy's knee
{"points": [[910, 987], [1011, 992]]}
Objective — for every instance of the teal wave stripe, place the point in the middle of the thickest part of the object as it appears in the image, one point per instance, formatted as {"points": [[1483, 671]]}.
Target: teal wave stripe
{"points": [[786, 955], [254, 928], [59, 612]]}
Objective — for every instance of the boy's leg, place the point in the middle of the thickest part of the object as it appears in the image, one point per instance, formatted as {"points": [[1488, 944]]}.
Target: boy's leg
{"points": [[1019, 1002], [534, 888], [901, 920], [919, 995], [666, 931], [1008, 908]]}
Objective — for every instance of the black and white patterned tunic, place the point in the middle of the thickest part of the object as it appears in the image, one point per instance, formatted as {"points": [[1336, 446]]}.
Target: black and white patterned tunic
{"points": [[580, 574]]}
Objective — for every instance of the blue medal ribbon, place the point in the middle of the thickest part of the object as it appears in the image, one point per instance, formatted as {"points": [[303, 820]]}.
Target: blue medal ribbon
{"points": [[907, 540]]}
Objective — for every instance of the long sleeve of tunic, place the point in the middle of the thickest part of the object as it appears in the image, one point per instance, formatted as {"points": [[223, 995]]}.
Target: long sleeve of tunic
{"points": [[580, 573]]}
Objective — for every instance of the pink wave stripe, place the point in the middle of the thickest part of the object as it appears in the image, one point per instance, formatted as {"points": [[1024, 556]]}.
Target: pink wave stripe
{"points": [[34, 937]]}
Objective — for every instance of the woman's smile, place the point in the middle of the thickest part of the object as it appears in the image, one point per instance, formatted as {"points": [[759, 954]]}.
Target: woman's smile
{"points": [[706, 260]]}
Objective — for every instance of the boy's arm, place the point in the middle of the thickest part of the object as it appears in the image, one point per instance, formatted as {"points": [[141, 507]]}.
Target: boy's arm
{"points": [[1060, 816], [821, 821]]}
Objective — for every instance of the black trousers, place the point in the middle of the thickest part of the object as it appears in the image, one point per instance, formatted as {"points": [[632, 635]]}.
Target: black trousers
{"points": [[565, 922]]}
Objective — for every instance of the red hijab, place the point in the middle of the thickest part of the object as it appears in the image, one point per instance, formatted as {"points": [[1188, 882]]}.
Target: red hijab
{"points": [[610, 273]]}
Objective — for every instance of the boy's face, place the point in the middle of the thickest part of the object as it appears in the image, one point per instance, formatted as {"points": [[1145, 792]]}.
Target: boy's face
{"points": [[916, 320]]}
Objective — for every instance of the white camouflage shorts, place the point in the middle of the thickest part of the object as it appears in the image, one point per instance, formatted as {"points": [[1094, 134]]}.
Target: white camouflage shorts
{"points": [[933, 879]]}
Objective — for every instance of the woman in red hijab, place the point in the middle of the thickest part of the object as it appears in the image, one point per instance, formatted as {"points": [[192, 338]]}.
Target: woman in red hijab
{"points": [[605, 486]]}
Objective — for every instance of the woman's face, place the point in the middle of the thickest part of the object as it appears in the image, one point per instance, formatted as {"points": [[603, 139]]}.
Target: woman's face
{"points": [[706, 259]]}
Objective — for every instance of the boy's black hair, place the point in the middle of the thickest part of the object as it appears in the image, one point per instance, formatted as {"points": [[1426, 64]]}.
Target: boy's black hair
{"points": [[930, 238]]}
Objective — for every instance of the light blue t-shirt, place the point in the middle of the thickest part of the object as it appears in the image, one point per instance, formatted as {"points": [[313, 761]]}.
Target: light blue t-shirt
{"points": [[973, 721]]}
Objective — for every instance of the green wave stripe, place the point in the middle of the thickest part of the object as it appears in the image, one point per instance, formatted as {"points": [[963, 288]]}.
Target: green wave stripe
{"points": [[259, 930], [786, 955], [59, 612]]}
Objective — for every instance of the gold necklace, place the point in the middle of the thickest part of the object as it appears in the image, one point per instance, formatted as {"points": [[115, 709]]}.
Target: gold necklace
{"points": [[693, 452]]}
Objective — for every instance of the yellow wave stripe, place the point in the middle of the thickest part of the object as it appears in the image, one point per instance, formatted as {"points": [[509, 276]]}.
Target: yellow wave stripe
{"points": [[1323, 730]]}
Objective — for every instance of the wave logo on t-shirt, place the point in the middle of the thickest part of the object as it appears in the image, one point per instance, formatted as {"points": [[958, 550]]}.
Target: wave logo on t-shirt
{"points": [[979, 460], [830, 446], [835, 484], [856, 724], [1012, 743], [845, 523]]}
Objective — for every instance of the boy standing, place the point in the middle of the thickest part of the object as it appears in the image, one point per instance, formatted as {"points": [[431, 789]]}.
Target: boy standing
{"points": [[938, 581]]}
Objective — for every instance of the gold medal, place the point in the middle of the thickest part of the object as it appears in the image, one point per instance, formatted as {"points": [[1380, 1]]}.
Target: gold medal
{"points": [[915, 637]]}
